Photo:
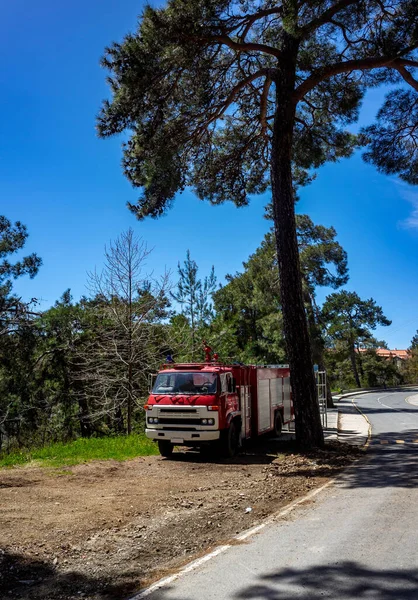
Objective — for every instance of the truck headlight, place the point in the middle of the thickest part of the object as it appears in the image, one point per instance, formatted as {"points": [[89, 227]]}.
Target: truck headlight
{"points": [[211, 421], [204, 421], [152, 420]]}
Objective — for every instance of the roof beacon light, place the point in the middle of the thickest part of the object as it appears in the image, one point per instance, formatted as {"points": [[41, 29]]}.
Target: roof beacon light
{"points": [[208, 352]]}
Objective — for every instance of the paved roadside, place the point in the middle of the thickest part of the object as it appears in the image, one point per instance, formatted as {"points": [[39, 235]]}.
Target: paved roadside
{"points": [[346, 423], [355, 539], [331, 427], [353, 425]]}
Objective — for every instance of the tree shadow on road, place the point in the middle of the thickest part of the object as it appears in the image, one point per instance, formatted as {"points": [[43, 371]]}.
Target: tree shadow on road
{"points": [[344, 581], [382, 410], [384, 465], [348, 580], [392, 460]]}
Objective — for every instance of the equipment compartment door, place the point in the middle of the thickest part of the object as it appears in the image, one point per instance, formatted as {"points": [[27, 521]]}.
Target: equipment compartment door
{"points": [[264, 405], [246, 410], [276, 391], [287, 402]]}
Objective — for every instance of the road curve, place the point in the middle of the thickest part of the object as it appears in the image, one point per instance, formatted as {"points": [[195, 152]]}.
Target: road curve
{"points": [[357, 540]]}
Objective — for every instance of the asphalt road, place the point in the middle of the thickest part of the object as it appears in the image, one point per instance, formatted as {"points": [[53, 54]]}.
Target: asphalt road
{"points": [[358, 539]]}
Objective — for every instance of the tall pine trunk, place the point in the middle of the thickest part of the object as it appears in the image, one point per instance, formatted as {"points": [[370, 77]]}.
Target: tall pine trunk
{"points": [[308, 426]]}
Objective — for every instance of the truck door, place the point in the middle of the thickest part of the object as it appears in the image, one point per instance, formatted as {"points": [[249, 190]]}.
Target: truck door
{"points": [[229, 393]]}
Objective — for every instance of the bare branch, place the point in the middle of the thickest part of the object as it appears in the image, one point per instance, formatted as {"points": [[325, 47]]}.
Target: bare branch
{"points": [[373, 62], [124, 340], [348, 41], [326, 16], [256, 17], [244, 47], [263, 105], [409, 63], [406, 75], [235, 91]]}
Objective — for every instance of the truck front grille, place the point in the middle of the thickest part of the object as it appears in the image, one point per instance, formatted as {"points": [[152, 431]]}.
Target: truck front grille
{"points": [[174, 411], [172, 428], [174, 421]]}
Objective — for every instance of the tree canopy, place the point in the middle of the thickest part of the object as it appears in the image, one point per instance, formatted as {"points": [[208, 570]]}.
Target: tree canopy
{"points": [[195, 85], [414, 342], [12, 239], [249, 321], [350, 320]]}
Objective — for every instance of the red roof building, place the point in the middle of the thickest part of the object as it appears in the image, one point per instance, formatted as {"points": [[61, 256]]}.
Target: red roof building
{"points": [[401, 354], [397, 356]]}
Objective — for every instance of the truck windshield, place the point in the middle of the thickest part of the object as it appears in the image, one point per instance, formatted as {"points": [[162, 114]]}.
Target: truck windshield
{"points": [[185, 383]]}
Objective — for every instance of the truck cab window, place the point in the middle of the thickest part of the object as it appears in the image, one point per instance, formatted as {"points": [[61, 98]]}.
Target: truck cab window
{"points": [[227, 383], [198, 383]]}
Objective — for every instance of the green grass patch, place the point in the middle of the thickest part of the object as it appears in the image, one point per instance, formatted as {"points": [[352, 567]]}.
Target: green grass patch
{"points": [[83, 450]]}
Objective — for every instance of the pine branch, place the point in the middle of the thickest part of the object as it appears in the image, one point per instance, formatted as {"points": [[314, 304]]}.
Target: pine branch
{"points": [[266, 72], [406, 75], [243, 46], [326, 17], [348, 66], [256, 17]]}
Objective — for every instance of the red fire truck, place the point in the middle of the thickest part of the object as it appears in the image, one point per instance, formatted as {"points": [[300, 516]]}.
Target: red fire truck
{"points": [[213, 405]]}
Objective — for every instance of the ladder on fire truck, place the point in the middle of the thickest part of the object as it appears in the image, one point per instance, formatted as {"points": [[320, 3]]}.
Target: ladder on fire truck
{"points": [[321, 386]]}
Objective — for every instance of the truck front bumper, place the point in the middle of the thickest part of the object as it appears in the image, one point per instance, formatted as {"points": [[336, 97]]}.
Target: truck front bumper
{"points": [[182, 437]]}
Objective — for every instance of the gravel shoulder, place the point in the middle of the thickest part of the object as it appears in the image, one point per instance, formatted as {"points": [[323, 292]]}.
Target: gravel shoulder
{"points": [[105, 529]]}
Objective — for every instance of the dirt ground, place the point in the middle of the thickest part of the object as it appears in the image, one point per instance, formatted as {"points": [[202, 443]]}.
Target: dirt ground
{"points": [[105, 529]]}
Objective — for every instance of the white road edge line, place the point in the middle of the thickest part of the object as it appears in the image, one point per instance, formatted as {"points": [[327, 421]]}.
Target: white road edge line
{"points": [[369, 429], [195, 564], [408, 400], [400, 410], [385, 405]]}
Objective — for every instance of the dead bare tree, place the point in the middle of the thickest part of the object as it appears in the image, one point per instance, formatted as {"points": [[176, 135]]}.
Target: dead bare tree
{"points": [[126, 336]]}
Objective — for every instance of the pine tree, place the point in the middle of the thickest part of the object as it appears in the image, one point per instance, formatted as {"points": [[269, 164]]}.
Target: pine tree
{"points": [[249, 324], [349, 320], [12, 309], [194, 297], [232, 97]]}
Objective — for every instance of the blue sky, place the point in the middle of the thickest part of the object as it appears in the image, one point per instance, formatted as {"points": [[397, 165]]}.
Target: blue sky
{"points": [[67, 186]]}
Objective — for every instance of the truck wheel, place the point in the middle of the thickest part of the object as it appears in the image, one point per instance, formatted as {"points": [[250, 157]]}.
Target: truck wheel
{"points": [[278, 424], [166, 448], [229, 446]]}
